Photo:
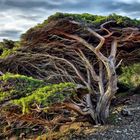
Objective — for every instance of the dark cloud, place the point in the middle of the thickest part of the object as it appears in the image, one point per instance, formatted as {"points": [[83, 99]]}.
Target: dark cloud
{"points": [[9, 33], [28, 4], [23, 14], [135, 14], [127, 8], [71, 5], [48, 5], [29, 17]]}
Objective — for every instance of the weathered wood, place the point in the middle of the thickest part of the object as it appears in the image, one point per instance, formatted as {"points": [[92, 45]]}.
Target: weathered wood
{"points": [[80, 54]]}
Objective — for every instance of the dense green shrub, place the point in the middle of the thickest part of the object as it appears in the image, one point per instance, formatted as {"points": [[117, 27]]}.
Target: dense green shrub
{"points": [[8, 47], [130, 75], [16, 86], [25, 91], [46, 96], [95, 20]]}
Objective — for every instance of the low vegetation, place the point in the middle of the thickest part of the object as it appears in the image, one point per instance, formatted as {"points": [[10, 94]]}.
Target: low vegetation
{"points": [[7, 47], [46, 96], [130, 75], [15, 86]]}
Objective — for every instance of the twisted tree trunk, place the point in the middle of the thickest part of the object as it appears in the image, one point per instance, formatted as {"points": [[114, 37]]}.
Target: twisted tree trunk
{"points": [[70, 51], [100, 111]]}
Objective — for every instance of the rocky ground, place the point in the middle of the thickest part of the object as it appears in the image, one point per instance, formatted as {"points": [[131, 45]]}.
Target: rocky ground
{"points": [[124, 123], [127, 126]]}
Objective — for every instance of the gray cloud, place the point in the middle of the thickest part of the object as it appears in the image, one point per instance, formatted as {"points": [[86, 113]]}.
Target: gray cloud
{"points": [[9, 33], [72, 5], [17, 16], [48, 5], [29, 17], [28, 5], [127, 8]]}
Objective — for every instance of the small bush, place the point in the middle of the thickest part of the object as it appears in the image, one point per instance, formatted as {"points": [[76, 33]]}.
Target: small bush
{"points": [[26, 91], [16, 86], [95, 20], [8, 47], [130, 75], [45, 96]]}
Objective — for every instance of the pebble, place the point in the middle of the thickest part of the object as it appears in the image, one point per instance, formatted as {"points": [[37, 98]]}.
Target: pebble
{"points": [[117, 131], [126, 112], [119, 119]]}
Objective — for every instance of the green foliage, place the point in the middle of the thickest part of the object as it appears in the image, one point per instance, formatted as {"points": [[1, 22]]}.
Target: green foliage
{"points": [[25, 91], [5, 52], [15, 86], [124, 20], [95, 20], [130, 75], [46, 96], [8, 47]]}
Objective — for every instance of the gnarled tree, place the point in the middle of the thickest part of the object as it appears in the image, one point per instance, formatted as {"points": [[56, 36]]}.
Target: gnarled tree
{"points": [[70, 51]]}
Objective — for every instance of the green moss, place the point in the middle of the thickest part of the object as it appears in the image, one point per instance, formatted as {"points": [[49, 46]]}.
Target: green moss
{"points": [[130, 75], [46, 96]]}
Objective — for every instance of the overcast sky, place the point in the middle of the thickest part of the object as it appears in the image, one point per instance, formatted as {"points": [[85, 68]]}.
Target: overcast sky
{"points": [[16, 16]]}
